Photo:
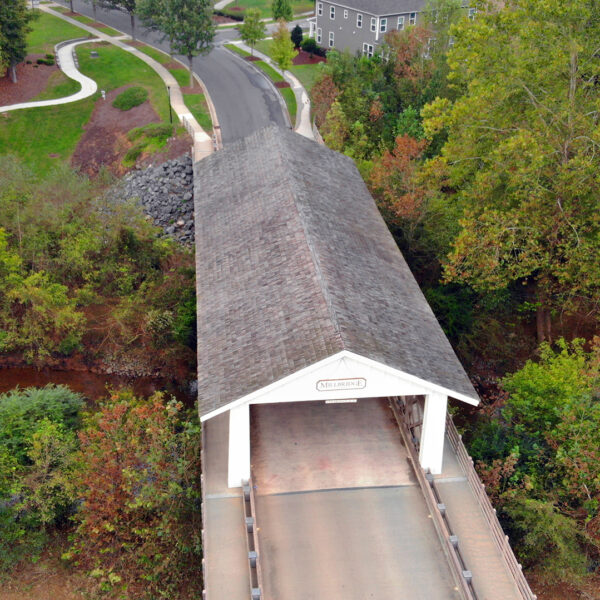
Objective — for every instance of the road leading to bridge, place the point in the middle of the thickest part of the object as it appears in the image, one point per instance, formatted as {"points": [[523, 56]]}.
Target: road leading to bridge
{"points": [[243, 99]]}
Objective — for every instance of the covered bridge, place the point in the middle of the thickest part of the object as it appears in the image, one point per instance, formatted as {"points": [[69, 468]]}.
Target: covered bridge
{"points": [[303, 295]]}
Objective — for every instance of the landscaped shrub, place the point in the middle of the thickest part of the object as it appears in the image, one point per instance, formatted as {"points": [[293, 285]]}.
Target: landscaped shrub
{"points": [[131, 97], [310, 45], [236, 15], [37, 460], [139, 523], [45, 61]]}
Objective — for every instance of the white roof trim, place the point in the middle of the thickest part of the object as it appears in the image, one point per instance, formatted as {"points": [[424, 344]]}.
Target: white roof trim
{"points": [[426, 386]]}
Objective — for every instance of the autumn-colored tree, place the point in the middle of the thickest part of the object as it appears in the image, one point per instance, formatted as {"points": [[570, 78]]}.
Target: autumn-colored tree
{"points": [[139, 524], [323, 95], [521, 157], [394, 179]]}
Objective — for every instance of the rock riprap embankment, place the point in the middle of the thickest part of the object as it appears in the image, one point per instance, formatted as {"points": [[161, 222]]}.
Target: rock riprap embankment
{"points": [[166, 194]]}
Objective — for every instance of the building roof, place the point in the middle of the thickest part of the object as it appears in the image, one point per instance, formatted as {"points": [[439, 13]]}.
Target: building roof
{"points": [[295, 264], [382, 7]]}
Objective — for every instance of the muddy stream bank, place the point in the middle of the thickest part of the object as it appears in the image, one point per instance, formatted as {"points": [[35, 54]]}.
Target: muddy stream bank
{"points": [[93, 386]]}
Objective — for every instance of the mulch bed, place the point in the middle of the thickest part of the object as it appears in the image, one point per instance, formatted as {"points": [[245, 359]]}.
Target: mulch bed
{"points": [[303, 58], [105, 142], [31, 80], [251, 58], [281, 84]]}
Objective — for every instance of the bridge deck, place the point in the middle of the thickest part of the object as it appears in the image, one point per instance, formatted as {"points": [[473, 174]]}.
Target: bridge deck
{"points": [[226, 576], [491, 579], [339, 511]]}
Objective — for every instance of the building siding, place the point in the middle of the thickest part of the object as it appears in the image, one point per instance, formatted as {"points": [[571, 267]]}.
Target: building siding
{"points": [[346, 33]]}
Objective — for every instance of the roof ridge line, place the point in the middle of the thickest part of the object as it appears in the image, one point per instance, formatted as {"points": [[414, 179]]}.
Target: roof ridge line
{"points": [[295, 186]]}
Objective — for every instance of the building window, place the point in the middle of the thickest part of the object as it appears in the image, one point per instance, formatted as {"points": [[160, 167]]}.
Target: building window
{"points": [[367, 50], [319, 35], [472, 13], [332, 12], [320, 9], [331, 39], [345, 14], [383, 25], [359, 20], [400, 23], [373, 24], [412, 19]]}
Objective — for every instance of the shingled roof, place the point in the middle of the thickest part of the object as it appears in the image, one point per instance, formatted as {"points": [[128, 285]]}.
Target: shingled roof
{"points": [[382, 7], [295, 264]]}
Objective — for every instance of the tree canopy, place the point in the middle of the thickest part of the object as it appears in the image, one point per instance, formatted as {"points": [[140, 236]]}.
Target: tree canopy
{"points": [[282, 9], [253, 29], [521, 158], [282, 50], [14, 27]]}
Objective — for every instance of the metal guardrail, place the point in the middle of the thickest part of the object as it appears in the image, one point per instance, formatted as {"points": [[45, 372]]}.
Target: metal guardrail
{"points": [[450, 543], [489, 512], [252, 544]]}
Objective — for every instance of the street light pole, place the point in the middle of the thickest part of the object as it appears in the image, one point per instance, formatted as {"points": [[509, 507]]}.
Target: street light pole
{"points": [[170, 110]]}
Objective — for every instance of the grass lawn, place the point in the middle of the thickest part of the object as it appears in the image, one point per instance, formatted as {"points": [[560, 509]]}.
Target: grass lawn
{"points": [[43, 137], [307, 74], [290, 101], [87, 21], [197, 105], [115, 67], [298, 6], [182, 76], [48, 31], [161, 57], [237, 49], [59, 86], [269, 70]]}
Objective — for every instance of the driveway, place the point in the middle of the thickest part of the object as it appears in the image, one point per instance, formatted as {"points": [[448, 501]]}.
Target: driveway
{"points": [[339, 512], [243, 99]]}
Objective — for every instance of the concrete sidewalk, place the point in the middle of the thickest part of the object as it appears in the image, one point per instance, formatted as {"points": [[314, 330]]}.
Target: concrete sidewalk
{"points": [[203, 145], [303, 126], [64, 56]]}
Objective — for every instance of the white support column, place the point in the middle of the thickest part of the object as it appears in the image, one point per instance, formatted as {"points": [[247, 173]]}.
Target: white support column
{"points": [[239, 445], [434, 428]]}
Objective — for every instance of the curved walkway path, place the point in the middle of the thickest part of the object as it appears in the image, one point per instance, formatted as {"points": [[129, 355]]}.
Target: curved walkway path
{"points": [[203, 144], [66, 62]]}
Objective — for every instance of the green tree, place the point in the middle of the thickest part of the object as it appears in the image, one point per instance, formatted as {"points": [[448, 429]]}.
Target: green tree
{"points": [[194, 31], [14, 27], [253, 29], [282, 9], [129, 6], [282, 50], [521, 157], [160, 16], [297, 36]]}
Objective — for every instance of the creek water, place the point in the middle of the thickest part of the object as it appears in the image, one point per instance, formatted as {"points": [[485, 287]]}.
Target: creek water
{"points": [[93, 386]]}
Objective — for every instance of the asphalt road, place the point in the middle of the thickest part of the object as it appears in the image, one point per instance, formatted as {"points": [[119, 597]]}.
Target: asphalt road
{"points": [[243, 98]]}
